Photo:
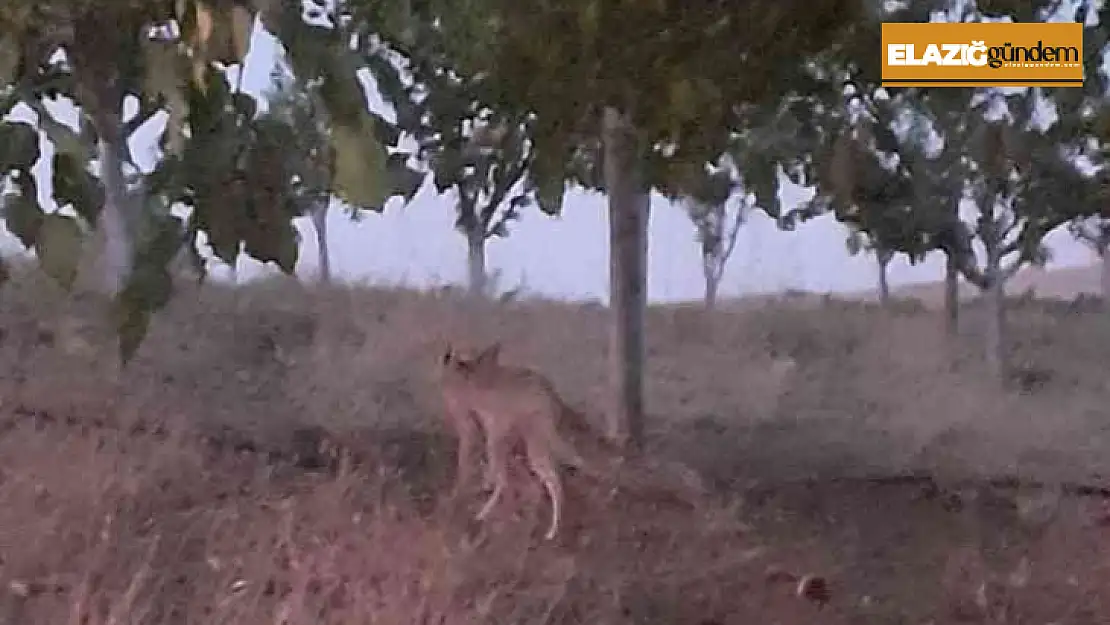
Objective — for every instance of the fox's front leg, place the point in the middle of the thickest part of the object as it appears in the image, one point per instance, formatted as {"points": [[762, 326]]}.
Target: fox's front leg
{"points": [[467, 431]]}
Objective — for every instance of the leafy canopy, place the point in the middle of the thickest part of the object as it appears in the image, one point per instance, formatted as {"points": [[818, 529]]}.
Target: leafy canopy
{"points": [[685, 73], [220, 157], [868, 150]]}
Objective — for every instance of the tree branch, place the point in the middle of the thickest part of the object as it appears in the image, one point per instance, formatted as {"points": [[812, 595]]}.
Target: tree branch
{"points": [[1011, 247], [971, 272], [512, 176], [711, 269], [467, 219], [733, 233], [1011, 271]]}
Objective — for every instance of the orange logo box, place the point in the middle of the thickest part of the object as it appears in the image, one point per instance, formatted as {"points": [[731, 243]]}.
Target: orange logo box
{"points": [[995, 54]]}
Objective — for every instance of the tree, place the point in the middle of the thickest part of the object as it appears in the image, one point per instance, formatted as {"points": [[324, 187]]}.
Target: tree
{"points": [[296, 103], [870, 163], [872, 121], [1084, 114], [1024, 185], [587, 71], [164, 54], [1094, 232], [857, 242], [1018, 176], [907, 189], [1024, 180], [874, 159], [716, 227], [874, 199], [311, 159], [1048, 190], [478, 153]]}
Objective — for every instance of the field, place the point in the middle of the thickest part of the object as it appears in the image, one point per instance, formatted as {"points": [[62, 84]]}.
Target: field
{"points": [[275, 455]]}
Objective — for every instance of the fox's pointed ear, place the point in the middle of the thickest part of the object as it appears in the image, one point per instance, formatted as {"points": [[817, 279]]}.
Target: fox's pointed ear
{"points": [[490, 354]]}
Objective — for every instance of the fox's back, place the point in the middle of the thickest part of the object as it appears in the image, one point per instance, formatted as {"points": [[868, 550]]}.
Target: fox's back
{"points": [[513, 391], [519, 398]]}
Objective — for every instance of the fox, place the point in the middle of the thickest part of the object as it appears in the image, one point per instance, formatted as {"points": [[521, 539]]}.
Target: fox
{"points": [[512, 406], [516, 406]]}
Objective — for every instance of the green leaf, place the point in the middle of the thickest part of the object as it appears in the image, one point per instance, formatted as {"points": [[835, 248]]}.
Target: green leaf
{"points": [[73, 184], [131, 328], [548, 178], [58, 246], [196, 261], [1020, 10], [9, 58], [761, 178], [360, 165], [19, 146], [8, 102], [683, 100], [149, 288], [269, 235], [278, 243], [65, 140], [207, 107], [843, 171], [159, 245], [219, 215], [22, 214], [446, 170], [392, 89], [165, 76], [215, 32], [360, 176], [385, 132], [549, 195], [150, 285], [404, 180], [854, 242]]}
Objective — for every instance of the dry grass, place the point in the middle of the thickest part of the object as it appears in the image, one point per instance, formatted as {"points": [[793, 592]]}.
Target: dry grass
{"points": [[191, 487], [1054, 282]]}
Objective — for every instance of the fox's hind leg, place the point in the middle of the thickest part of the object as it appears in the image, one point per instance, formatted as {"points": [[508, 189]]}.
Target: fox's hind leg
{"points": [[498, 448], [546, 468]]}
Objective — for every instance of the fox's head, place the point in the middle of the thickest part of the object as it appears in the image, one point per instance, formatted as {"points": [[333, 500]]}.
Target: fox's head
{"points": [[452, 360]]}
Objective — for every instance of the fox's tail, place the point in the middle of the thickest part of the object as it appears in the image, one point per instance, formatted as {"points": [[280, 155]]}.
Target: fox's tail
{"points": [[653, 478], [641, 475]]}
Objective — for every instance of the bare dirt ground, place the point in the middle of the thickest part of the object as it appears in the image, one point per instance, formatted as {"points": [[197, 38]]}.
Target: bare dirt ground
{"points": [[885, 479]]}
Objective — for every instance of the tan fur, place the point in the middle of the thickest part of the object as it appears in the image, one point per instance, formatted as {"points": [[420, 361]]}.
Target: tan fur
{"points": [[512, 406]]}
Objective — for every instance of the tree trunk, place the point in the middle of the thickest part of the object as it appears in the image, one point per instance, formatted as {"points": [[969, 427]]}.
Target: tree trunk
{"points": [[884, 283], [996, 315], [116, 223], [996, 330], [100, 35], [629, 210], [1105, 277], [712, 285], [476, 262], [320, 224], [992, 235], [951, 295]]}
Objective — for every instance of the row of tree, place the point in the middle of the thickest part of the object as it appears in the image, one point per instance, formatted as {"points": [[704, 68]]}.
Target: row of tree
{"points": [[511, 102]]}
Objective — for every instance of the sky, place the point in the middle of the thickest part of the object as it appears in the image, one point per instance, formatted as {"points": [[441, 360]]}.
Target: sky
{"points": [[564, 257]]}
